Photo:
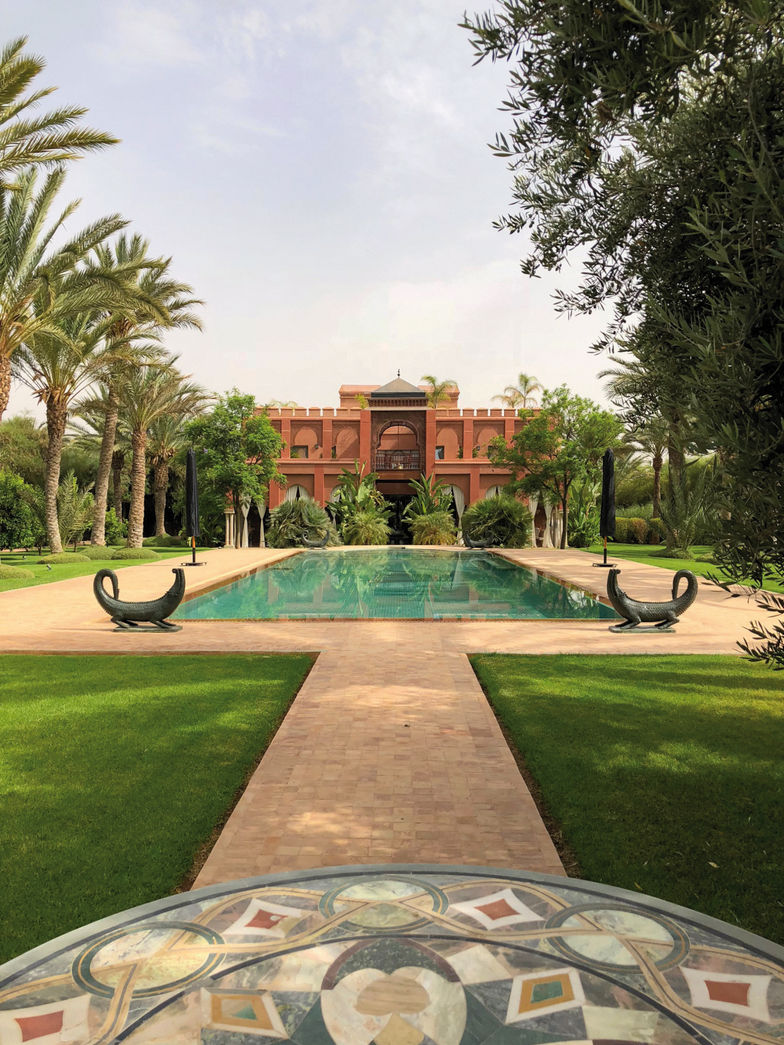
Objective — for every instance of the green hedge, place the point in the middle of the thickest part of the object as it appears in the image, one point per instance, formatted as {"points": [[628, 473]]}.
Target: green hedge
{"points": [[631, 531]]}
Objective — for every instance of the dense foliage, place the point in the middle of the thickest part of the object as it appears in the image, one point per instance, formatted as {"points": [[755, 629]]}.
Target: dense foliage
{"points": [[17, 522], [237, 449], [499, 522], [650, 137], [297, 524], [559, 445]]}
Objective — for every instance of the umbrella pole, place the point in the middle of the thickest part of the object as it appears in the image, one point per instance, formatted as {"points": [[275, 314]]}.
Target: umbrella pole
{"points": [[193, 550], [603, 564]]}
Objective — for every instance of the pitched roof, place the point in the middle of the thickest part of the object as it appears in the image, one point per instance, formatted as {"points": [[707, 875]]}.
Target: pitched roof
{"points": [[398, 389]]}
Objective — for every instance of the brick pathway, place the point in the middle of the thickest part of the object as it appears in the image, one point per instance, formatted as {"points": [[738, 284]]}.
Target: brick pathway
{"points": [[390, 751]]}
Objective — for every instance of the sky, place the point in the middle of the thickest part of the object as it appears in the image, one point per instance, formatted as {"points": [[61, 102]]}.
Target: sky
{"points": [[319, 172]]}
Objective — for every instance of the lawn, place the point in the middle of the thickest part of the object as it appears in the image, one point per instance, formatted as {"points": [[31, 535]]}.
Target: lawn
{"points": [[115, 771], [62, 571], [665, 773], [651, 555]]}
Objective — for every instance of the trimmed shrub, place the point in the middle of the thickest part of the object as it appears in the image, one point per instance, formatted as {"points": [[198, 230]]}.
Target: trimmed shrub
{"points": [[62, 557], [96, 551], [134, 553], [631, 531], [655, 531], [502, 521], [433, 528], [166, 540], [15, 573]]}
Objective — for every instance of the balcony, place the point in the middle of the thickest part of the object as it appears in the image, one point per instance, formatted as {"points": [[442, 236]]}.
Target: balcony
{"points": [[397, 461]]}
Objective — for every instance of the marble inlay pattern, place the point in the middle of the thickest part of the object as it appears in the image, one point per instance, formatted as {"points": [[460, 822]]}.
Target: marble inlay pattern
{"points": [[399, 955]]}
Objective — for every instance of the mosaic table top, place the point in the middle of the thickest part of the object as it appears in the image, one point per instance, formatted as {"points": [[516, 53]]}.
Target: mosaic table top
{"points": [[399, 956]]}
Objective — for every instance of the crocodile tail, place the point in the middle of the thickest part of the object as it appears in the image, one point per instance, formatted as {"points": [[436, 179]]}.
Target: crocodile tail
{"points": [[691, 584], [178, 586]]}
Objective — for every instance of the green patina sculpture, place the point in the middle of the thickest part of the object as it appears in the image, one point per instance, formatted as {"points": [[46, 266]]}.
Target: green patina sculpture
{"points": [[130, 614], [663, 614]]}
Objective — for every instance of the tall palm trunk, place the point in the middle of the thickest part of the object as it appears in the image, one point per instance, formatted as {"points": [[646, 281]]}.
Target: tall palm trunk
{"points": [[118, 463], [56, 417], [658, 461], [138, 478], [160, 485], [105, 467], [5, 383]]}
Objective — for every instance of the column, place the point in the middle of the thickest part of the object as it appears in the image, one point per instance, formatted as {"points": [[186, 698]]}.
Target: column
{"points": [[326, 438], [318, 483], [468, 437], [430, 441], [364, 438]]}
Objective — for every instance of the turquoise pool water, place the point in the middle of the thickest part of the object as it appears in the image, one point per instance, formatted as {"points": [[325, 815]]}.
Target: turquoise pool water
{"points": [[394, 583]]}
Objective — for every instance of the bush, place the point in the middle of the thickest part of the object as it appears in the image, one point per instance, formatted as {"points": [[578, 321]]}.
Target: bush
{"points": [[366, 526], [631, 531], [655, 531], [115, 531], [96, 551], [502, 522], [294, 522], [134, 553], [164, 541], [15, 573], [62, 557], [17, 525], [434, 528]]}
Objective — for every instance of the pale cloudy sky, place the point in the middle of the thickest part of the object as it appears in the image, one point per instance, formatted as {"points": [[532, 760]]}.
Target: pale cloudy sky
{"points": [[319, 171]]}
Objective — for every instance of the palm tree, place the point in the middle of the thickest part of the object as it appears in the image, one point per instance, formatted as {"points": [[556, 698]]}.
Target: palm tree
{"points": [[27, 140], [57, 367], [150, 392], [437, 392], [163, 303], [165, 438], [28, 307], [651, 438], [518, 397]]}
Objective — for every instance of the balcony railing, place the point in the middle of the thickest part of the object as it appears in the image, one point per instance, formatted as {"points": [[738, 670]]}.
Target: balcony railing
{"points": [[398, 461]]}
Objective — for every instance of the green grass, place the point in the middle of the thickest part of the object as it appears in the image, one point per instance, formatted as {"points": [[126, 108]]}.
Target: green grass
{"points": [[115, 771], [665, 773], [650, 554], [64, 571]]}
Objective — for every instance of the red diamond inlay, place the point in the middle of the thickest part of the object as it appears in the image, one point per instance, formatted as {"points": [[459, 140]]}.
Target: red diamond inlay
{"points": [[497, 909], [721, 990], [264, 920], [39, 1026]]}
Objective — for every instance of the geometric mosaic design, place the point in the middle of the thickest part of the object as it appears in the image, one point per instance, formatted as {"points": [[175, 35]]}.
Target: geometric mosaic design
{"points": [[399, 956]]}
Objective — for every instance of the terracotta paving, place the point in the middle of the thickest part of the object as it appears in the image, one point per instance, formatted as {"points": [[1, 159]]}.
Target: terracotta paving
{"points": [[390, 751]]}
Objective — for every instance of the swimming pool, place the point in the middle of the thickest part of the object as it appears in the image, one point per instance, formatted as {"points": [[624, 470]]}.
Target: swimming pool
{"points": [[397, 584]]}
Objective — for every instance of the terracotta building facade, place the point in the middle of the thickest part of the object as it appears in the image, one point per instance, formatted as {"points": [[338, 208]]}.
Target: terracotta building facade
{"points": [[392, 431]]}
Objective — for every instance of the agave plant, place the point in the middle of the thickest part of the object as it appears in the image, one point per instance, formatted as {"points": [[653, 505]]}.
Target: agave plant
{"points": [[295, 523]]}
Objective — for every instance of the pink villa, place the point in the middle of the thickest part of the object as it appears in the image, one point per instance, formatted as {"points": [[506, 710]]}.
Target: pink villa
{"points": [[393, 432]]}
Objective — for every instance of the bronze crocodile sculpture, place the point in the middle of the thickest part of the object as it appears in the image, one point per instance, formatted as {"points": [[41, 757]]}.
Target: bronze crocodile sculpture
{"points": [[475, 544], [130, 614], [665, 614]]}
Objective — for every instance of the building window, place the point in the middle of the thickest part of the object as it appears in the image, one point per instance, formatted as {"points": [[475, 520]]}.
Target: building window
{"points": [[334, 452], [439, 453], [299, 451]]}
